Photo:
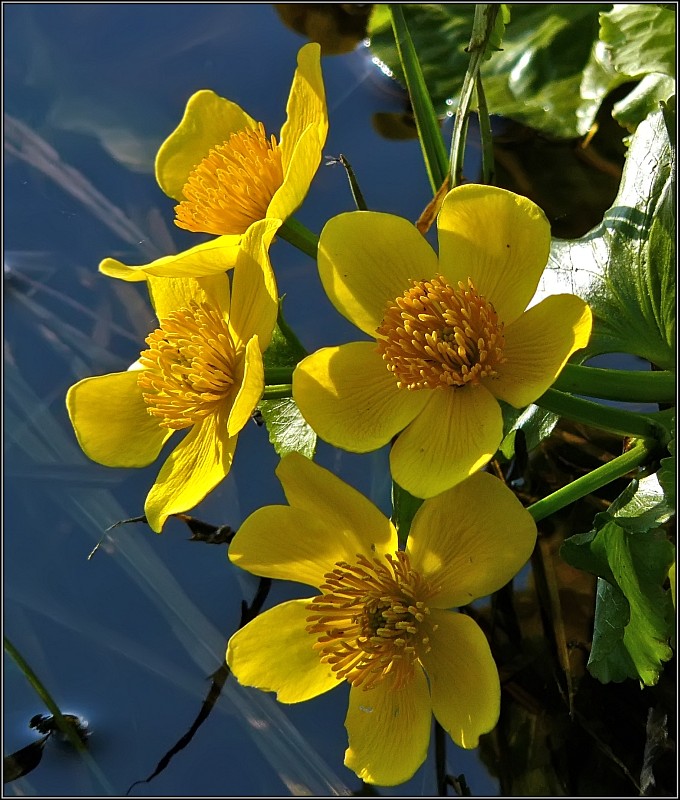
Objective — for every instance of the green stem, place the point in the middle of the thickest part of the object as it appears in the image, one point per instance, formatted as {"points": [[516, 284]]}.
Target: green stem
{"points": [[278, 375], [632, 386], [488, 169], [64, 725], [482, 28], [429, 132], [279, 391], [587, 484], [299, 236], [606, 418]]}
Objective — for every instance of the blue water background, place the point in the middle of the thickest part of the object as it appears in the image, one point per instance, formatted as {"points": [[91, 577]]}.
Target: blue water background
{"points": [[128, 638]]}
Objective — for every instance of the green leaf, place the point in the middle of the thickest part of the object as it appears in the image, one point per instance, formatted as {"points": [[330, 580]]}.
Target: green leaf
{"points": [[625, 267], [23, 761], [404, 507], [643, 100], [535, 423], [550, 74], [668, 476], [287, 428], [640, 38], [630, 553]]}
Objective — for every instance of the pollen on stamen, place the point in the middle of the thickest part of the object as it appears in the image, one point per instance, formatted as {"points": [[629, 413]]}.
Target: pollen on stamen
{"points": [[380, 629], [436, 335], [233, 185], [188, 370]]}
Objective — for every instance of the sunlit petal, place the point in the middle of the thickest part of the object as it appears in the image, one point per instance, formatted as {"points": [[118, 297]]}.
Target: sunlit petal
{"points": [[456, 434], [367, 259], [537, 346], [470, 540], [463, 678], [171, 294], [303, 165], [111, 422], [208, 120], [499, 239], [350, 399], [250, 391], [209, 258], [194, 468], [348, 516], [389, 730], [275, 653]]}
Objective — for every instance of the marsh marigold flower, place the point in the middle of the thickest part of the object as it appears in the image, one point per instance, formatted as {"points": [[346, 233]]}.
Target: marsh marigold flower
{"points": [[226, 171], [380, 617], [201, 374], [451, 334]]}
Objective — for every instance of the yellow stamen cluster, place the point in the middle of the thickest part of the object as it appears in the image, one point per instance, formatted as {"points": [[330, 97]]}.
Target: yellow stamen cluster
{"points": [[233, 185], [437, 335], [371, 620], [189, 366]]}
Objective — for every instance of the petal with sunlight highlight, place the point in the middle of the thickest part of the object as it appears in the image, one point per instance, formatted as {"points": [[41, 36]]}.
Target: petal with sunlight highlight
{"points": [[291, 544], [275, 653], [367, 259], [537, 346], [464, 683], [250, 391], [470, 540], [499, 239], [456, 434], [209, 258], [172, 294], [389, 730], [350, 399], [208, 120], [254, 293], [306, 103], [301, 170], [355, 524], [111, 421], [194, 468]]}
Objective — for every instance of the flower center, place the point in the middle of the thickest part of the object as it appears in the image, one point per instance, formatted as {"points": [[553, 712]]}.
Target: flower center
{"points": [[437, 335], [233, 185], [371, 620], [189, 366]]}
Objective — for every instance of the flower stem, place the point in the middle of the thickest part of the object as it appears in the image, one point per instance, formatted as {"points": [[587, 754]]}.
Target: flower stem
{"points": [[639, 453], [281, 391], [429, 132], [299, 236], [488, 169], [482, 28], [606, 418], [278, 375], [631, 386]]}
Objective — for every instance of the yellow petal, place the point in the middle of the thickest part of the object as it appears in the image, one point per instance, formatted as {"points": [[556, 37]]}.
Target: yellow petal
{"points": [[250, 391], [293, 544], [367, 259], [389, 730], [499, 239], [275, 653], [303, 165], [255, 296], [110, 420], [456, 434], [193, 469], [208, 120], [537, 346], [351, 399], [209, 258], [470, 540], [170, 294], [463, 677], [355, 524], [306, 103]]}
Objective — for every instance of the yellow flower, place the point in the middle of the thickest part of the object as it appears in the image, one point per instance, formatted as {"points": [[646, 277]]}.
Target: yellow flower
{"points": [[201, 373], [381, 618], [452, 334], [226, 172]]}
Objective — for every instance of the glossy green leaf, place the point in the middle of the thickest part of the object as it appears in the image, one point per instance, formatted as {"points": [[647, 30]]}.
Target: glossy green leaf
{"points": [[550, 74], [640, 38], [287, 428], [630, 553], [643, 100], [625, 267], [535, 423], [668, 476]]}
